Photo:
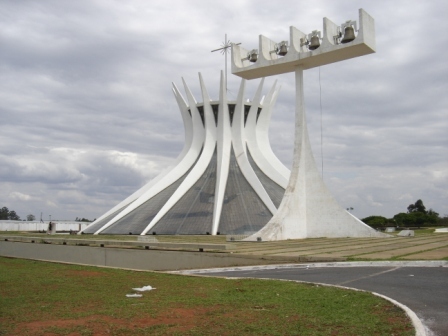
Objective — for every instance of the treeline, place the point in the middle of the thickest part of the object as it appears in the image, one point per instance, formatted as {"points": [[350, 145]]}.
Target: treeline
{"points": [[417, 215], [5, 214], [83, 220]]}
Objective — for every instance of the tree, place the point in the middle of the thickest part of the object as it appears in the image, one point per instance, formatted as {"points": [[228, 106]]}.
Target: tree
{"points": [[415, 219], [417, 207], [432, 217], [376, 221], [4, 213], [30, 218], [13, 215], [403, 219], [431, 212], [443, 221], [419, 218], [417, 215]]}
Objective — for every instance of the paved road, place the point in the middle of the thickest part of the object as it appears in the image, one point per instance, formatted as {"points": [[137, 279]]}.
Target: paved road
{"points": [[423, 289]]}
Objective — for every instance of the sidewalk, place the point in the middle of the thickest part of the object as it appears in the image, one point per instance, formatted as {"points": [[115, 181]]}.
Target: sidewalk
{"points": [[425, 246]]}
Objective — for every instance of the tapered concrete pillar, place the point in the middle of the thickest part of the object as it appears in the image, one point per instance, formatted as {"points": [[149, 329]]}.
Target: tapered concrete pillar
{"points": [[308, 210]]}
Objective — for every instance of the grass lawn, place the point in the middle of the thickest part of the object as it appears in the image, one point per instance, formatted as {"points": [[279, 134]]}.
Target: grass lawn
{"points": [[208, 239], [39, 298], [424, 231]]}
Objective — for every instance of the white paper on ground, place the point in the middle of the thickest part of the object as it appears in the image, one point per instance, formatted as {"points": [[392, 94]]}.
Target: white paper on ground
{"points": [[143, 289], [134, 295]]}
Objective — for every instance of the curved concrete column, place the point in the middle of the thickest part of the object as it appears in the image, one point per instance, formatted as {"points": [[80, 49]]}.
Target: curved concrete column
{"points": [[202, 136], [257, 138], [224, 140], [239, 146], [200, 166], [188, 128], [195, 131]]}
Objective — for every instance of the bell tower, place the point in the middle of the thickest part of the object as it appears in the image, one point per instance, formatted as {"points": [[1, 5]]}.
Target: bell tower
{"points": [[308, 210]]}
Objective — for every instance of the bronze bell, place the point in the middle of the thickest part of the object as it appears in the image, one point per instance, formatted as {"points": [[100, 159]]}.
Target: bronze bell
{"points": [[253, 56], [283, 49], [314, 43], [349, 34]]}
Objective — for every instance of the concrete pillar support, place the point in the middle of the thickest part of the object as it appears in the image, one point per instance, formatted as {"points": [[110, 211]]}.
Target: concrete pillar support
{"points": [[308, 210]]}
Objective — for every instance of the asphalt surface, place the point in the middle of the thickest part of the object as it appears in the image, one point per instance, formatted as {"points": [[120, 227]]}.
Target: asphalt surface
{"points": [[422, 289]]}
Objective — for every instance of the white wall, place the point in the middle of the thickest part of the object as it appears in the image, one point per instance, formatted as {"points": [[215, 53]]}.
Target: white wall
{"points": [[7, 225]]}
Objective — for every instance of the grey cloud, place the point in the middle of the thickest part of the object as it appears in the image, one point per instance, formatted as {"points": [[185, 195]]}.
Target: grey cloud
{"points": [[88, 116]]}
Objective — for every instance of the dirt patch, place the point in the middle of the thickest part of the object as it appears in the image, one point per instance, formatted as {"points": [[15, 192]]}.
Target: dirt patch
{"points": [[5, 261], [173, 320], [178, 319], [81, 273], [94, 323]]}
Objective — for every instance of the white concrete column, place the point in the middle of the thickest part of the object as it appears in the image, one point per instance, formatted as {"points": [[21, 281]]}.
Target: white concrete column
{"points": [[203, 161], [260, 146], [188, 127], [239, 147], [292, 209], [224, 142], [308, 210]]}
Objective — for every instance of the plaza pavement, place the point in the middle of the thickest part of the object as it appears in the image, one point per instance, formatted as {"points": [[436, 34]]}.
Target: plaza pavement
{"points": [[432, 246], [424, 246]]}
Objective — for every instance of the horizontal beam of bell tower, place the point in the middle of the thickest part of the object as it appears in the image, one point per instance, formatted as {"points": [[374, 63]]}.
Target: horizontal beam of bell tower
{"points": [[269, 63]]}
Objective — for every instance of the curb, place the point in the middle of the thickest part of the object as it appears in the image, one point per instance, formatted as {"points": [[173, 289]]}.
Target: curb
{"points": [[420, 329], [435, 263]]}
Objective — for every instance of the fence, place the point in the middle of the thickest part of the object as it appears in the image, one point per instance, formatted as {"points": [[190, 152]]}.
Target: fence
{"points": [[6, 225]]}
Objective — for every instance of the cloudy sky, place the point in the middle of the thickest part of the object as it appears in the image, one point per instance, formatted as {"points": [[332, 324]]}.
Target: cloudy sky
{"points": [[87, 114]]}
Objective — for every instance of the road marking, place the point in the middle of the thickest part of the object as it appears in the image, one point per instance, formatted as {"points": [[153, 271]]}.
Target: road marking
{"points": [[369, 276]]}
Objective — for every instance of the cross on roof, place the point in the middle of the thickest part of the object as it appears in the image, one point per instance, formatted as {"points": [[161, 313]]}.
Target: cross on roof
{"points": [[224, 50]]}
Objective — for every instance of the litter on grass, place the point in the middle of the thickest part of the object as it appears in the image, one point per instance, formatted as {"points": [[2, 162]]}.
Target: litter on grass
{"points": [[143, 289], [135, 295]]}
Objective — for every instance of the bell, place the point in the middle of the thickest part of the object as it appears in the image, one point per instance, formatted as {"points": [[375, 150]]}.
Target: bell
{"points": [[253, 56], [349, 34], [314, 43], [282, 50]]}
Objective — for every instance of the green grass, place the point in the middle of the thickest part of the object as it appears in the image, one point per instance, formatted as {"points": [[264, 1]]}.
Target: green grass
{"points": [[422, 232], [221, 239], [39, 298]]}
